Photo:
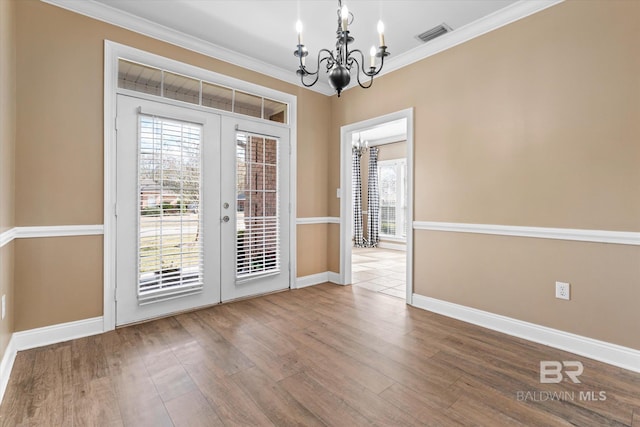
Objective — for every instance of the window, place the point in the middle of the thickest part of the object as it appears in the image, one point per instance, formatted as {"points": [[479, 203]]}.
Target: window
{"points": [[392, 175], [257, 216]]}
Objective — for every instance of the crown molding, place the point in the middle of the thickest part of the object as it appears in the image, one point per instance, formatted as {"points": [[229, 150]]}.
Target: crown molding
{"points": [[110, 15], [498, 19], [148, 28]]}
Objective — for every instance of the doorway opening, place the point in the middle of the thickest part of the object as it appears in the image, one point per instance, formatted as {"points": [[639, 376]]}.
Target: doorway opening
{"points": [[376, 208]]}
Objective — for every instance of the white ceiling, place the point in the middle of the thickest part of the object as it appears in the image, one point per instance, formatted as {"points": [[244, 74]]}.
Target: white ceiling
{"points": [[393, 131], [263, 31]]}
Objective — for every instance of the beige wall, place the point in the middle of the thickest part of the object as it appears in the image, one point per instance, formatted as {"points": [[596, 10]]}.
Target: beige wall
{"points": [[515, 277], [56, 280], [311, 244], [7, 111], [7, 146], [534, 124], [59, 151], [312, 163], [333, 248]]}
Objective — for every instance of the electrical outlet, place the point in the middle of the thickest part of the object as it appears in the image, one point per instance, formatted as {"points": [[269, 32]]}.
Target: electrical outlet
{"points": [[563, 290]]}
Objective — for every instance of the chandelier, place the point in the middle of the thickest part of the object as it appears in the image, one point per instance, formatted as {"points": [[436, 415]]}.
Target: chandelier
{"points": [[339, 64]]}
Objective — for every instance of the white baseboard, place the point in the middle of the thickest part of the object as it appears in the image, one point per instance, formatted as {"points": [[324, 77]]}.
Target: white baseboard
{"points": [[312, 279], [391, 245], [316, 279], [602, 351], [6, 365], [334, 278], [40, 337]]}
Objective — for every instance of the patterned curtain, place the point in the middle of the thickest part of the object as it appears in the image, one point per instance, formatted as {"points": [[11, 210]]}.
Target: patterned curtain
{"points": [[373, 200], [356, 180]]}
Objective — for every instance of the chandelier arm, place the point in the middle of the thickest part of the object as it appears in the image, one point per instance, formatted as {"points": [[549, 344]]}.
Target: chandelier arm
{"points": [[309, 84], [358, 70], [373, 71], [328, 58], [381, 65]]}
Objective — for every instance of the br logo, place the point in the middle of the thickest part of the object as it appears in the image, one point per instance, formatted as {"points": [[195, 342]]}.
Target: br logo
{"points": [[551, 371]]}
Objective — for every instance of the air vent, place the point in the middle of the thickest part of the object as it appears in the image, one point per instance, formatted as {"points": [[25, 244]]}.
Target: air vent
{"points": [[434, 32]]}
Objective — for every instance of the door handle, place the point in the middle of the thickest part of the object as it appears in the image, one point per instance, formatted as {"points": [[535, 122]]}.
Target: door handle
{"points": [[225, 218]]}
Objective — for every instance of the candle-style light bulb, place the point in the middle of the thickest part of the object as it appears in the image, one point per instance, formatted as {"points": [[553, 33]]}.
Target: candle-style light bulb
{"points": [[372, 52], [299, 30], [381, 32], [344, 14]]}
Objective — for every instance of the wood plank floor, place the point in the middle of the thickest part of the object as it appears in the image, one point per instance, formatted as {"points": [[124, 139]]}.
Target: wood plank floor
{"points": [[325, 355]]}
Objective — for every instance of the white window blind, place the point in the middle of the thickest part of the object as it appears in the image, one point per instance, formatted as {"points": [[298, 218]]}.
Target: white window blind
{"points": [[170, 244], [257, 201], [393, 196]]}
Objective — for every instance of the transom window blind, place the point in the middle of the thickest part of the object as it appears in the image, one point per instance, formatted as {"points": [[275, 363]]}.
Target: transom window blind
{"points": [[257, 215], [170, 244], [164, 83]]}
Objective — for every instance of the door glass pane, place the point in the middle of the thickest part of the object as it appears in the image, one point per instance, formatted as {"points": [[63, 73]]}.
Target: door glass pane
{"points": [[170, 234], [257, 221]]}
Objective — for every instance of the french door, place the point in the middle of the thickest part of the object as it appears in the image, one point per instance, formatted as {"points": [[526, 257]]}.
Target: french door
{"points": [[255, 248], [202, 209]]}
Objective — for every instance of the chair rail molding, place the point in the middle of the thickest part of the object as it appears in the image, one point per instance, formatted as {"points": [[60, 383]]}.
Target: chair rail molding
{"points": [[31, 232], [318, 220], [581, 235], [7, 236]]}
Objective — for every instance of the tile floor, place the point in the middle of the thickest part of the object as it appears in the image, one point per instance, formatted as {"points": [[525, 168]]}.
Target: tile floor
{"points": [[380, 270]]}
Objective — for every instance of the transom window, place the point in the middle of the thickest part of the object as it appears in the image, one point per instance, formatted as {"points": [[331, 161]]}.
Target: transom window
{"points": [[154, 81]]}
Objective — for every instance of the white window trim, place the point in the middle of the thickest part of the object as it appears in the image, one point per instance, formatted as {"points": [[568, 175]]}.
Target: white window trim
{"points": [[401, 220], [112, 52]]}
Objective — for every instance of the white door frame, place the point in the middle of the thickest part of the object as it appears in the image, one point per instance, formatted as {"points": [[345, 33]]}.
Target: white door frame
{"points": [[346, 212], [112, 52]]}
